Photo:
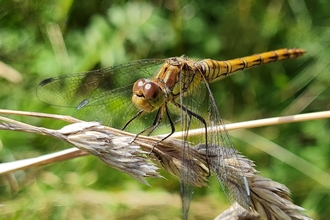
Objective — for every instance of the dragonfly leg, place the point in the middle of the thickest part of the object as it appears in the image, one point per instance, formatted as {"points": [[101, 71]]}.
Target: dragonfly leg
{"points": [[159, 120], [156, 122], [171, 124], [132, 119]]}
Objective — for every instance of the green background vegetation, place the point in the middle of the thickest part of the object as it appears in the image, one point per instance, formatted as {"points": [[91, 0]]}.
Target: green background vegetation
{"points": [[99, 33]]}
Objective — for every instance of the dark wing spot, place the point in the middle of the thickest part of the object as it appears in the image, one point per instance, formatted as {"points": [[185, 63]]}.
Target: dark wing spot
{"points": [[46, 81]]}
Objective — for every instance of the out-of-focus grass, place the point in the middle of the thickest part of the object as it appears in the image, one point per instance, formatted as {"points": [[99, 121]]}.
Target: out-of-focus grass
{"points": [[43, 39]]}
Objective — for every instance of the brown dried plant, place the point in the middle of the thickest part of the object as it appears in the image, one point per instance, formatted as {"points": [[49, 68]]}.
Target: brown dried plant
{"points": [[142, 158]]}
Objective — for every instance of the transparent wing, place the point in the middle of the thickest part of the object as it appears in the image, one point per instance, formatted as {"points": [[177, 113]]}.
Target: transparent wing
{"points": [[101, 95], [194, 109], [191, 106], [71, 90], [232, 187]]}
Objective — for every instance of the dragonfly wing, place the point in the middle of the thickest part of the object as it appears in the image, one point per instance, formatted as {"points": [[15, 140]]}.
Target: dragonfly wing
{"points": [[72, 90], [100, 95], [108, 107], [186, 188], [191, 103], [234, 184], [194, 105]]}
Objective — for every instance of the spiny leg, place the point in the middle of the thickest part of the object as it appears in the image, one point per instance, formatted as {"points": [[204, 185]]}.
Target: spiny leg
{"points": [[171, 124], [158, 119], [132, 119], [156, 122], [153, 126]]}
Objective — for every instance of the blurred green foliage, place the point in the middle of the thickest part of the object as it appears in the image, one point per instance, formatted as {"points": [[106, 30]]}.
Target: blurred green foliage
{"points": [[42, 39]]}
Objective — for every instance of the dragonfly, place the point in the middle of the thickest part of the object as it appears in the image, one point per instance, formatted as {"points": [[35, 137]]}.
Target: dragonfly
{"points": [[146, 95]]}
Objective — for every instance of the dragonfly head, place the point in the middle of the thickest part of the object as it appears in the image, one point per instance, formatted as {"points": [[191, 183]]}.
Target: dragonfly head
{"points": [[147, 95]]}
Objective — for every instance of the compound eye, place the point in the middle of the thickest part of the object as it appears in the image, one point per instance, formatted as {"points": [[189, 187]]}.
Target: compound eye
{"points": [[138, 85], [151, 90]]}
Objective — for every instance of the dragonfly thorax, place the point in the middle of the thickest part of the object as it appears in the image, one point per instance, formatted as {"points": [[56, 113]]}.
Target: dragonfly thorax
{"points": [[147, 95]]}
